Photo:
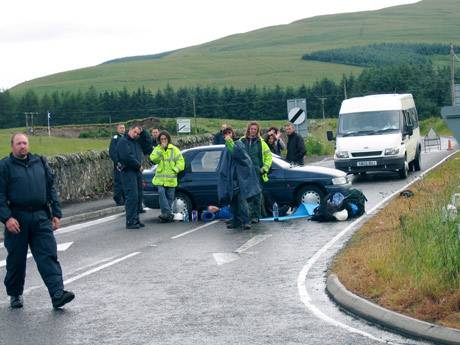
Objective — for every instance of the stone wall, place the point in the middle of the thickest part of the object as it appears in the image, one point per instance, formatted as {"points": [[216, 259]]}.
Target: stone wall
{"points": [[88, 174]]}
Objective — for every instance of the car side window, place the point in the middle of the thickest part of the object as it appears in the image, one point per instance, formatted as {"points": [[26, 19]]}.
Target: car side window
{"points": [[205, 161]]}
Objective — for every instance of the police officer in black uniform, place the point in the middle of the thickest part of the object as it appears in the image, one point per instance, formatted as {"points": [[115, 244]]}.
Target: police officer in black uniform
{"points": [[118, 194], [131, 150], [30, 210]]}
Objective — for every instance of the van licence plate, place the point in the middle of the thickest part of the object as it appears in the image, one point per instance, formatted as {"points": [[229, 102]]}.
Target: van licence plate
{"points": [[367, 163]]}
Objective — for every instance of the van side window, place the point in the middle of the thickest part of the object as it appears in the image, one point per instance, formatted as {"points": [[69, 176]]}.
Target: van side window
{"points": [[407, 118], [414, 117]]}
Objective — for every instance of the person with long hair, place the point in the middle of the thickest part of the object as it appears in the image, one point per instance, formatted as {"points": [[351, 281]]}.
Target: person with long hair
{"points": [[170, 163]]}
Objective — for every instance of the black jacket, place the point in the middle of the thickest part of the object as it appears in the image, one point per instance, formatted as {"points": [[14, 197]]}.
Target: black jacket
{"points": [[218, 139], [27, 184], [131, 152], [113, 148], [295, 149]]}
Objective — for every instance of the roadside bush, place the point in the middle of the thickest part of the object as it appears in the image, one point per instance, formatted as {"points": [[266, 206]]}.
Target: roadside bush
{"points": [[95, 133]]}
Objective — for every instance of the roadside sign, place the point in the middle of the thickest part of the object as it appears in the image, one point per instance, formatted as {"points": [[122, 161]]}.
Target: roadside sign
{"points": [[296, 116], [183, 126], [297, 111]]}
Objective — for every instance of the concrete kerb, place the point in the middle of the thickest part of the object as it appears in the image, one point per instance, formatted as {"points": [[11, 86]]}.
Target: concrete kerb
{"points": [[388, 318], [78, 218]]}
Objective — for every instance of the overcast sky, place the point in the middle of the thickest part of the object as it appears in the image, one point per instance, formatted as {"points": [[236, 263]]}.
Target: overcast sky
{"points": [[43, 37]]}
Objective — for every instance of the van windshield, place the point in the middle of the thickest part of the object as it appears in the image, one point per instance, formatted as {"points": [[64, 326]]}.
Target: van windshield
{"points": [[369, 123]]}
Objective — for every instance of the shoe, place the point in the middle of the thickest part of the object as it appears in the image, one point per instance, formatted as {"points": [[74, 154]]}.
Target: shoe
{"points": [[162, 216], [16, 302], [246, 227], [233, 226], [228, 221], [61, 298], [142, 211], [254, 220], [141, 225], [133, 226]]}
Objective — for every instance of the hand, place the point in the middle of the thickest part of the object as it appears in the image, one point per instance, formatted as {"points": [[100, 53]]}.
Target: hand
{"points": [[13, 226], [262, 171], [227, 137], [278, 135], [56, 222], [164, 145]]}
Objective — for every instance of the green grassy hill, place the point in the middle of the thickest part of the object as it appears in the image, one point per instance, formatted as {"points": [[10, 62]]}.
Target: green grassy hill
{"points": [[268, 56]]}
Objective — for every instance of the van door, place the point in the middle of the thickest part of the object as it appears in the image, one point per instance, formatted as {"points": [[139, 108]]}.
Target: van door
{"points": [[410, 141]]}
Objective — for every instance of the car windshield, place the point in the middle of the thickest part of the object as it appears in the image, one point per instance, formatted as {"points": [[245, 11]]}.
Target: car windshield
{"points": [[369, 123]]}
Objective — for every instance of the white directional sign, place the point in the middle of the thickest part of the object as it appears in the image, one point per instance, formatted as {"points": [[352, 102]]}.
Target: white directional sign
{"points": [[183, 126], [296, 116]]}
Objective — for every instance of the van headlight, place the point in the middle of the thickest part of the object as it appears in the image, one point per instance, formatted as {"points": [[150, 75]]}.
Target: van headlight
{"points": [[341, 154], [340, 180], [392, 151]]}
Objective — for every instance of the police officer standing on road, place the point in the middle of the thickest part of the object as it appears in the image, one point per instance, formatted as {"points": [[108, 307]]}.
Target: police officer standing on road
{"points": [[118, 194], [131, 149], [30, 210]]}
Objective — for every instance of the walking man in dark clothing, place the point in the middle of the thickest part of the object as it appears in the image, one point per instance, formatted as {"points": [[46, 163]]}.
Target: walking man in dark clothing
{"points": [[295, 146], [131, 150], [30, 210], [118, 194]]}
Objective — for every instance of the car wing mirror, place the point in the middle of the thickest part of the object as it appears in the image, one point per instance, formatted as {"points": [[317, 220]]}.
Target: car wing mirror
{"points": [[330, 136]]}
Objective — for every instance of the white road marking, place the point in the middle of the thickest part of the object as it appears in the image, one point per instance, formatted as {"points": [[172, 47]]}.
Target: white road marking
{"points": [[64, 246], [60, 247], [80, 226], [96, 269], [302, 276], [195, 229], [225, 258]]}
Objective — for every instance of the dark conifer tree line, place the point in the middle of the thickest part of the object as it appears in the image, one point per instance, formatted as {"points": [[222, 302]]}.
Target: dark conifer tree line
{"points": [[429, 85]]}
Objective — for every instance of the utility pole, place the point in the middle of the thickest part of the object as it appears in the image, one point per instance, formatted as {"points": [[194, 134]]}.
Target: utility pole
{"points": [[30, 121], [452, 74], [322, 105], [194, 115]]}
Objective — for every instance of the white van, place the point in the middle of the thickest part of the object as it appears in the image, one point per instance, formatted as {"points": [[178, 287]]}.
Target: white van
{"points": [[378, 133]]}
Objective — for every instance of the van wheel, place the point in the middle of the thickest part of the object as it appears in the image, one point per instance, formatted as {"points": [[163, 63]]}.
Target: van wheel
{"points": [[417, 162], [404, 172]]}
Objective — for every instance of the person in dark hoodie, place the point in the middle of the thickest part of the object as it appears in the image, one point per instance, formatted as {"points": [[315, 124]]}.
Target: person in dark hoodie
{"points": [[237, 180], [131, 149], [30, 210], [118, 194], [295, 146]]}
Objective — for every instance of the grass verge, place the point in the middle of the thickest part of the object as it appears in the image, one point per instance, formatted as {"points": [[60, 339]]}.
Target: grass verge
{"points": [[406, 258]]}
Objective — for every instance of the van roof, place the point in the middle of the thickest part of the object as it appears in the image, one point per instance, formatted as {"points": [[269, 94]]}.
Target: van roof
{"points": [[377, 103]]}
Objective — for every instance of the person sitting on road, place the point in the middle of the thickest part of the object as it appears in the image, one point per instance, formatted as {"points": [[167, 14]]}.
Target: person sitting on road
{"points": [[170, 163]]}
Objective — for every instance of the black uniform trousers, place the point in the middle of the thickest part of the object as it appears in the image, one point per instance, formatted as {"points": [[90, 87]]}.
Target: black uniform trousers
{"points": [[118, 194], [36, 232], [132, 186]]}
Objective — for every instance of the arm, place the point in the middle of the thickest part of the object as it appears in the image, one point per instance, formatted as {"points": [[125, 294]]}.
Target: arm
{"points": [[5, 212], [180, 162], [51, 193], [157, 155], [267, 157], [145, 140], [301, 150], [113, 149], [126, 155]]}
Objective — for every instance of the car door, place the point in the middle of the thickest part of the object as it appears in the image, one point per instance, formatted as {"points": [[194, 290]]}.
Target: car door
{"points": [[200, 177], [277, 185]]}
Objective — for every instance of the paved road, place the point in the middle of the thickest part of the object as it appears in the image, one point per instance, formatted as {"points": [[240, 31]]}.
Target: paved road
{"points": [[165, 285]]}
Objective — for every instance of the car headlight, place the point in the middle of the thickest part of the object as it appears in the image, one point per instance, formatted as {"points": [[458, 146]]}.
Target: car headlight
{"points": [[341, 154], [340, 180], [392, 151]]}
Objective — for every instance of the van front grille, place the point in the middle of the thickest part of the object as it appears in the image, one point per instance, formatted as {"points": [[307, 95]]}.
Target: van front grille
{"points": [[366, 154]]}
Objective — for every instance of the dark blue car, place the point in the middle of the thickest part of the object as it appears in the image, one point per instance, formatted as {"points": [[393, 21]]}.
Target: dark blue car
{"points": [[288, 185]]}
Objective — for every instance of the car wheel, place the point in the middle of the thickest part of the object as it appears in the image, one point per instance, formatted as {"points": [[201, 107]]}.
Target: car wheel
{"points": [[417, 162], [404, 171], [183, 198], [310, 195]]}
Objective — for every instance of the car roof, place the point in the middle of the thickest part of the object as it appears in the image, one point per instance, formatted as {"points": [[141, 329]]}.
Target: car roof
{"points": [[204, 147]]}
